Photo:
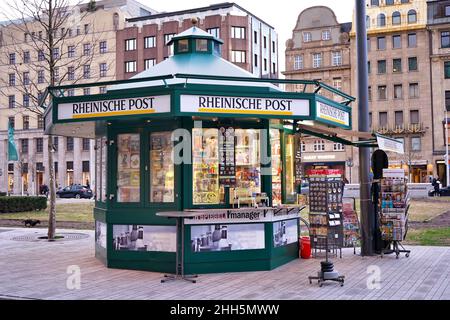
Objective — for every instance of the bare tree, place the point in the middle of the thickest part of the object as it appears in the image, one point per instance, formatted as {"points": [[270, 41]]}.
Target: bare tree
{"points": [[48, 28]]}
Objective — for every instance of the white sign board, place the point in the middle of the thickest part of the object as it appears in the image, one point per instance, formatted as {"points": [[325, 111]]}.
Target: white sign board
{"points": [[394, 173], [390, 145], [114, 107], [244, 105], [333, 114]]}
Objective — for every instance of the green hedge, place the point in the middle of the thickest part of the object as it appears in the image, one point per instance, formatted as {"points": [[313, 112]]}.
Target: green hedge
{"points": [[21, 204]]}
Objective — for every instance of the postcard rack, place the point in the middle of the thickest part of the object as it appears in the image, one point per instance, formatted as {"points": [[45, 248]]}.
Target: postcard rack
{"points": [[351, 223], [394, 206]]}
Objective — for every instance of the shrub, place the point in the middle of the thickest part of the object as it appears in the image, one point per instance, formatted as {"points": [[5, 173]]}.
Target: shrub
{"points": [[21, 204], [2, 194]]}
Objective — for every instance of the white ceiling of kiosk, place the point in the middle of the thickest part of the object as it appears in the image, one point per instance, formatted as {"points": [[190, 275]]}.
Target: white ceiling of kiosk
{"points": [[75, 129]]}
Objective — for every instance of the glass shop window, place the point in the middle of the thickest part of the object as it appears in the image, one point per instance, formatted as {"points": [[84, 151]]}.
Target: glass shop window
{"points": [[205, 166], [162, 169], [128, 168], [101, 152], [290, 170], [248, 163], [275, 143]]}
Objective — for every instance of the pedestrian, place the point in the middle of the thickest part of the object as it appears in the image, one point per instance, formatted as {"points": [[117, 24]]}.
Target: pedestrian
{"points": [[436, 184]]}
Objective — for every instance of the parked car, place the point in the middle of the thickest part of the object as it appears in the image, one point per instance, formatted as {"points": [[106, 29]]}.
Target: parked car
{"points": [[444, 192], [75, 191]]}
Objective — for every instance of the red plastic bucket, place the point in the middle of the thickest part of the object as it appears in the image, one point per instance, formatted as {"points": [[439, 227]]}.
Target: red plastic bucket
{"points": [[305, 247]]}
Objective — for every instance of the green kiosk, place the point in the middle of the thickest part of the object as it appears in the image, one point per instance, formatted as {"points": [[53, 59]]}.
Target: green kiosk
{"points": [[199, 135]]}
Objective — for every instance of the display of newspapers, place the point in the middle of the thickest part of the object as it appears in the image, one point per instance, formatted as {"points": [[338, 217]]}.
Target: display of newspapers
{"points": [[394, 205]]}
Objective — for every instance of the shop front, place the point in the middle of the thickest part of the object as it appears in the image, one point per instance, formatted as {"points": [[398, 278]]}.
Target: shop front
{"points": [[418, 171], [195, 134]]}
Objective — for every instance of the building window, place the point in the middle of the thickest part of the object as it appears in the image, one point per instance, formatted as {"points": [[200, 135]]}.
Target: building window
{"points": [[12, 58], [148, 63], [398, 118], [86, 71], [319, 145], [168, 37], [383, 119], [24, 145], [298, 62], [130, 66], [56, 53], [326, 35], [86, 28], [26, 57], [214, 31], [368, 67], [26, 122], [307, 37], [367, 22], [238, 56], [447, 11], [389, 2], [381, 43], [338, 147], [41, 76], [396, 42], [41, 56], [103, 47], [265, 64], [397, 65], [86, 144], [149, 42], [12, 101], [69, 144], [26, 78], [412, 64], [412, 40], [369, 89], [86, 49], [56, 74], [396, 18], [55, 143], [265, 42], [255, 58], [337, 83], [86, 91], [71, 73], [445, 39], [273, 47], [382, 93], [40, 122], [26, 100], [102, 90], [130, 44], [71, 51], [381, 66], [447, 69], [303, 146], [416, 144], [370, 119], [103, 69], [317, 60], [39, 145], [381, 20], [414, 116], [413, 90], [336, 57], [12, 122], [70, 92], [274, 67], [398, 91], [374, 3], [412, 16], [12, 79], [238, 32]]}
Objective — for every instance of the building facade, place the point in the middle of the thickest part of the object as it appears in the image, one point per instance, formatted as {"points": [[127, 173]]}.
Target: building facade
{"points": [[87, 54], [439, 33], [320, 50], [399, 81], [249, 42]]}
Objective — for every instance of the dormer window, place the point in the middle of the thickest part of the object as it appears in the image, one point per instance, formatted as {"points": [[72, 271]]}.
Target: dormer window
{"points": [[201, 45], [183, 45]]}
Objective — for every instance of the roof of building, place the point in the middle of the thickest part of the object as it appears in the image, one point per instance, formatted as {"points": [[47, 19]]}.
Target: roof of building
{"points": [[194, 32], [217, 6], [346, 27]]}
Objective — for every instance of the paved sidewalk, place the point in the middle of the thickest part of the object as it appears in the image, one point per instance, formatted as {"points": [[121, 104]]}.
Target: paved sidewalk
{"points": [[38, 270]]}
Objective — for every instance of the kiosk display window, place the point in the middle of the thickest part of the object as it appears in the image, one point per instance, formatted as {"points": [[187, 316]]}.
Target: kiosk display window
{"points": [[104, 159], [291, 193], [162, 187], [128, 172], [100, 169], [275, 142]]}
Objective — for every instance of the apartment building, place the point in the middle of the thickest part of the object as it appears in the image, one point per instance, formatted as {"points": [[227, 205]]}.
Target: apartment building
{"points": [[92, 40], [439, 33], [320, 50], [249, 42]]}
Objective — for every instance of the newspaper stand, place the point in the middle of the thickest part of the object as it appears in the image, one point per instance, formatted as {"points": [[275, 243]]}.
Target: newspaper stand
{"points": [[351, 223], [394, 203]]}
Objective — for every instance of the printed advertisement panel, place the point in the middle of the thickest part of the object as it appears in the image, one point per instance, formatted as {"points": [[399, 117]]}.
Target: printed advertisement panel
{"points": [[333, 114], [144, 238], [100, 233], [285, 232], [227, 237]]}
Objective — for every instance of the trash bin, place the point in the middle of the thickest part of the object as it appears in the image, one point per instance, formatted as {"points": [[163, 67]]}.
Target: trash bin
{"points": [[305, 247]]}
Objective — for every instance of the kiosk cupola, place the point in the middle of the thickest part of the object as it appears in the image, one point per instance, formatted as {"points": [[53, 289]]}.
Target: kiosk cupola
{"points": [[196, 41]]}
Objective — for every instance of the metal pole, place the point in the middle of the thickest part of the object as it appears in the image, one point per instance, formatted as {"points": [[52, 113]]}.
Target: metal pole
{"points": [[447, 164], [367, 214]]}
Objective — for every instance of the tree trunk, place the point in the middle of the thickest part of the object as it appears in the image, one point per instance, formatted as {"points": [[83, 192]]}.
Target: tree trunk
{"points": [[52, 191]]}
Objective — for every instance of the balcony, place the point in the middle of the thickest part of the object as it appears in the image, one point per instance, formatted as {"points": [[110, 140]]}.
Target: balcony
{"points": [[411, 128]]}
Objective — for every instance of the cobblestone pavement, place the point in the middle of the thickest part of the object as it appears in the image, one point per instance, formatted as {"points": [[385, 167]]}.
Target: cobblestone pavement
{"points": [[38, 270]]}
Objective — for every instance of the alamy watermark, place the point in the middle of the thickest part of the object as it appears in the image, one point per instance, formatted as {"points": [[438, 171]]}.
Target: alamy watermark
{"points": [[73, 281], [373, 281]]}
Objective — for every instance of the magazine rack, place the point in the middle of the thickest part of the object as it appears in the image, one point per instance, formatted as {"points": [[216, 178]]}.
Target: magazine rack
{"points": [[351, 223], [394, 206]]}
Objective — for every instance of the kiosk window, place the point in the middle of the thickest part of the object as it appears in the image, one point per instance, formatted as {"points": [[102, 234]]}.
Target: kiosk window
{"points": [[161, 168], [290, 176], [128, 168], [276, 166]]}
